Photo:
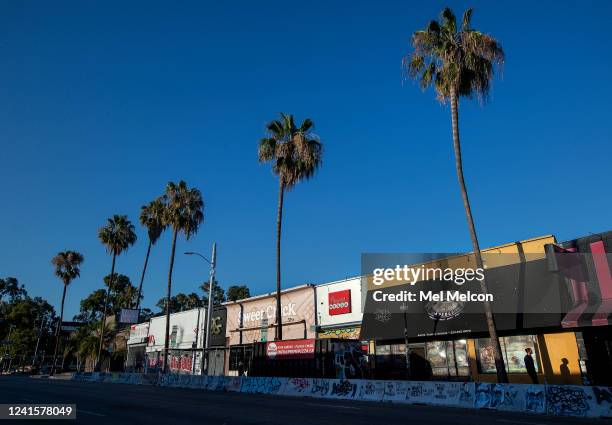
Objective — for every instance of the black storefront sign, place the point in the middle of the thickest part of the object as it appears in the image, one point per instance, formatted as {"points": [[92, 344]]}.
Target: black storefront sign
{"points": [[525, 296], [218, 323]]}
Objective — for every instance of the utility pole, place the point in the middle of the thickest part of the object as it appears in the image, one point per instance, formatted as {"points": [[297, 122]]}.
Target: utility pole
{"points": [[194, 346], [211, 284], [213, 264]]}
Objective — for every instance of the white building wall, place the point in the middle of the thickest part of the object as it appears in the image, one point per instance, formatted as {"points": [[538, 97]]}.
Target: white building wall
{"points": [[138, 333], [324, 318], [186, 323]]}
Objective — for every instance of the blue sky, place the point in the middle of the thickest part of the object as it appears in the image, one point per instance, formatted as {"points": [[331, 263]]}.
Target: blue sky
{"points": [[102, 103]]}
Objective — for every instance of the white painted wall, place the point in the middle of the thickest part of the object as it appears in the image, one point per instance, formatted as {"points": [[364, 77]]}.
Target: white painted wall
{"points": [[323, 290], [186, 322]]}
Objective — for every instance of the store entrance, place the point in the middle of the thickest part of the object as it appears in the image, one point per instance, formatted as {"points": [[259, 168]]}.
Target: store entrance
{"points": [[420, 367], [598, 344], [216, 361]]}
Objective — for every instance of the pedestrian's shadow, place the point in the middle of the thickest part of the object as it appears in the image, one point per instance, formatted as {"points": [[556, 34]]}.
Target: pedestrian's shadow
{"points": [[566, 377]]}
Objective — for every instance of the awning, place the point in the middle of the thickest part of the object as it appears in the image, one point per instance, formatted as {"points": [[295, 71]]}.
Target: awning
{"points": [[527, 296]]}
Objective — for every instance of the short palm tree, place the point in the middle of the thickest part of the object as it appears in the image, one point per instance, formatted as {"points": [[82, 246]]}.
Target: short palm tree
{"points": [[151, 218], [87, 351], [183, 212], [67, 268], [459, 61], [118, 235], [295, 153]]}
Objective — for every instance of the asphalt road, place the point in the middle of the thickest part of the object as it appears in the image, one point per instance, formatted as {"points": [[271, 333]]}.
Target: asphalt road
{"points": [[130, 404]]}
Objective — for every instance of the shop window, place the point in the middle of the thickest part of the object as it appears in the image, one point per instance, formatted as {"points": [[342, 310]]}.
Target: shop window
{"points": [[398, 349], [383, 350], [513, 351], [240, 357], [448, 358]]}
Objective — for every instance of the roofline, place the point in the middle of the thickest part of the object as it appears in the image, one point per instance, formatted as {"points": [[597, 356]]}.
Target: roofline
{"points": [[269, 294], [296, 288], [339, 281], [163, 316]]}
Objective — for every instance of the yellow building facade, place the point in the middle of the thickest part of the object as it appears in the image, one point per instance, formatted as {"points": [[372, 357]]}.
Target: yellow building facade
{"points": [[556, 351]]}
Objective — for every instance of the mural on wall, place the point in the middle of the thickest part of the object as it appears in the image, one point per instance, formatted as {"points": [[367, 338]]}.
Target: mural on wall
{"points": [[566, 401], [551, 399], [535, 399], [489, 395], [344, 389], [340, 333], [349, 360]]}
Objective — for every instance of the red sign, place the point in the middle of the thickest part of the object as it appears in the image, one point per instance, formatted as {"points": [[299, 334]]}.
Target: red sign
{"points": [[339, 302], [293, 349]]}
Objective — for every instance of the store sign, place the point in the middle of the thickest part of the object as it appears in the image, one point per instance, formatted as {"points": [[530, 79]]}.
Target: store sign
{"points": [[218, 323], [294, 349], [339, 302], [267, 312], [340, 333], [70, 326], [129, 315], [138, 333], [264, 329], [542, 301], [246, 319]]}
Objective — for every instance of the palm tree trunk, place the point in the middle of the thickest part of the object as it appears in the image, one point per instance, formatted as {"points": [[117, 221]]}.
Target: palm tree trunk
{"points": [[57, 330], [103, 321], [168, 296], [279, 219], [502, 376], [144, 270]]}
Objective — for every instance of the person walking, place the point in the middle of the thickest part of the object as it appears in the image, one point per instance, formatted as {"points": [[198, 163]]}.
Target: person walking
{"points": [[530, 366]]}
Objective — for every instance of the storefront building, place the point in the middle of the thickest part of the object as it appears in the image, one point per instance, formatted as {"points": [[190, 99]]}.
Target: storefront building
{"points": [[339, 311], [450, 346], [218, 341], [586, 264], [136, 348], [185, 345], [253, 320]]}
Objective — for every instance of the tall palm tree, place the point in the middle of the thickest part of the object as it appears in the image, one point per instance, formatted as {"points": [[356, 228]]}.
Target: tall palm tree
{"points": [[67, 268], [183, 212], [118, 235], [459, 61], [295, 153], [151, 218]]}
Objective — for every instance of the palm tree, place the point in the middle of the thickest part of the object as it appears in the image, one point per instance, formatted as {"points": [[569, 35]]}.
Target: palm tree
{"points": [[151, 218], [87, 351], [66, 269], [295, 153], [118, 235], [183, 211], [459, 62]]}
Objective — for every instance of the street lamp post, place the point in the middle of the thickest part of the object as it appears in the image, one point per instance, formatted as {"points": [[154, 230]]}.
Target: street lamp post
{"points": [[213, 264]]}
